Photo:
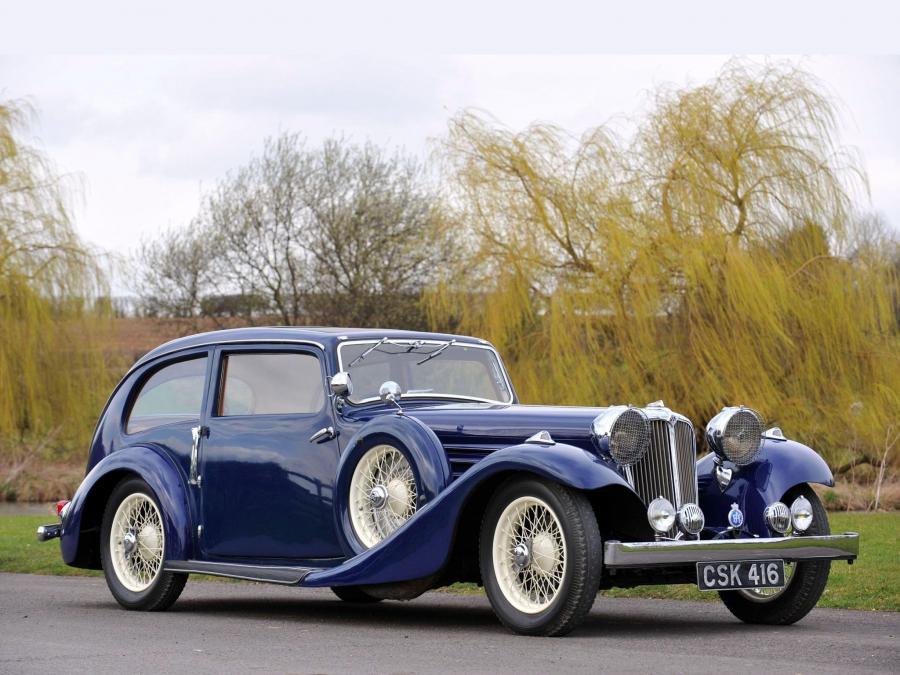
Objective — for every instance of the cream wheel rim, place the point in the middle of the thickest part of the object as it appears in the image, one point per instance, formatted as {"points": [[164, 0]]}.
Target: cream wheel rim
{"points": [[137, 541], [383, 494], [529, 554]]}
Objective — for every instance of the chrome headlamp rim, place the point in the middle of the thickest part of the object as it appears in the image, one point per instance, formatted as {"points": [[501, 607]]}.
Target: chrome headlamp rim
{"points": [[608, 427], [801, 514], [661, 515], [719, 431], [690, 519], [778, 517]]}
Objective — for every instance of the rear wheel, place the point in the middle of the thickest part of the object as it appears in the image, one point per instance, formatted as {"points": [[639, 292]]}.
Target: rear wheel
{"points": [[804, 581], [133, 544], [540, 556]]}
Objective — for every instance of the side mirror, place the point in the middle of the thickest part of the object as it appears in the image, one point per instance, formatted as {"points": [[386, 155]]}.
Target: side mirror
{"points": [[341, 384], [390, 392]]}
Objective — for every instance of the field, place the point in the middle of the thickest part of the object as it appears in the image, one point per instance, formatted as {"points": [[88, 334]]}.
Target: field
{"points": [[872, 583]]}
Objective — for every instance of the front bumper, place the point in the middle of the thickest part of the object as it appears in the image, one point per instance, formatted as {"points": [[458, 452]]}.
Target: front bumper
{"points": [[621, 555]]}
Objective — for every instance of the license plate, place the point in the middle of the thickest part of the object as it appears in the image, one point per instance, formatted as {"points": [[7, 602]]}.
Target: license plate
{"points": [[725, 576]]}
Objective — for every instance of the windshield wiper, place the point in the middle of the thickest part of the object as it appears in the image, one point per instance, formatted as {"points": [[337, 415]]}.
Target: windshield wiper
{"points": [[367, 352], [435, 353]]}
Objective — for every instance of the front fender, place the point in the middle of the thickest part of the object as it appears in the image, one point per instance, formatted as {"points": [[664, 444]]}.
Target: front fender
{"points": [[80, 537], [780, 466], [421, 547]]}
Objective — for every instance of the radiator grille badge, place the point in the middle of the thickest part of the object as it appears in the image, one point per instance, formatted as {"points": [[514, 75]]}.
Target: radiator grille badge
{"points": [[735, 516]]}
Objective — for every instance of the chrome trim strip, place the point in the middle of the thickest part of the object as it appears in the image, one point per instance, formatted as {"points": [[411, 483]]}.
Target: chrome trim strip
{"points": [[619, 554], [215, 343], [486, 346], [676, 466], [273, 574]]}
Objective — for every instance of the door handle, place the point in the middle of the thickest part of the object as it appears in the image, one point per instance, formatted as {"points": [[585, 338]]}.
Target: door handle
{"points": [[196, 434], [324, 434]]}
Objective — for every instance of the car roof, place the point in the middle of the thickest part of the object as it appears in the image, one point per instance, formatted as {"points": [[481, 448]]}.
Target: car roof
{"points": [[324, 336]]}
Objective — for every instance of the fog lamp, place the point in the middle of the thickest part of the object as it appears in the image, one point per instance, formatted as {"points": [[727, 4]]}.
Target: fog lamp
{"points": [[691, 519], [778, 518], [801, 514], [661, 515]]}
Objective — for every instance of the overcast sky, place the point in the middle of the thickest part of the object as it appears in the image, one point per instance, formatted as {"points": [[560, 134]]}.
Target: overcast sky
{"points": [[149, 134]]}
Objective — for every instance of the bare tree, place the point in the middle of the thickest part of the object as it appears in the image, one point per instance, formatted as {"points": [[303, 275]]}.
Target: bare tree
{"points": [[175, 274], [255, 219], [374, 237], [341, 234]]}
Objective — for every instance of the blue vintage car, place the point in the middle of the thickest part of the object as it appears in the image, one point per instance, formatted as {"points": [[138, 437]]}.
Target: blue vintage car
{"points": [[385, 463]]}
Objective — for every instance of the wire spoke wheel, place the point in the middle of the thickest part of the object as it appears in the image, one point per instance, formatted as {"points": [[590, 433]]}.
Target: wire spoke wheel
{"points": [[137, 542], [529, 554], [383, 494], [769, 594], [805, 581]]}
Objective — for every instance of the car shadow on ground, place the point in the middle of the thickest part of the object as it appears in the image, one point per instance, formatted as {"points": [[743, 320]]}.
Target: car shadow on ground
{"points": [[463, 614]]}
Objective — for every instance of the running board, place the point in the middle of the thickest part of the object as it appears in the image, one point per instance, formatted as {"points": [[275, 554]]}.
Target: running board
{"points": [[272, 574]]}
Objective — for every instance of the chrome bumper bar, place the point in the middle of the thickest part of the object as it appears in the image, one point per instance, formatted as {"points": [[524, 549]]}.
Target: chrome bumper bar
{"points": [[48, 532], [617, 554]]}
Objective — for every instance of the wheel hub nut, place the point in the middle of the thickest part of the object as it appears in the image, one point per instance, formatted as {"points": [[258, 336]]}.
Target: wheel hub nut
{"points": [[522, 556], [378, 496], [129, 542]]}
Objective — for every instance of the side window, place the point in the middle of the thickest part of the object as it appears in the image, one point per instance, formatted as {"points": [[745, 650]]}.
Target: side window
{"points": [[173, 393], [270, 384]]}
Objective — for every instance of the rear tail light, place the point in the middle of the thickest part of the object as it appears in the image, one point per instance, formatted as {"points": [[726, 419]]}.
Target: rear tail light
{"points": [[62, 507]]}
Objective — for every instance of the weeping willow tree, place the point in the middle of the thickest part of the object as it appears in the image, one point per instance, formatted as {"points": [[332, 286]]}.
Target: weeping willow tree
{"points": [[713, 259], [52, 375]]}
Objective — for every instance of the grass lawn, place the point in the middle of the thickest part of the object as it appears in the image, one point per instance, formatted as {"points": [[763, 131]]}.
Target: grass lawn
{"points": [[872, 582]]}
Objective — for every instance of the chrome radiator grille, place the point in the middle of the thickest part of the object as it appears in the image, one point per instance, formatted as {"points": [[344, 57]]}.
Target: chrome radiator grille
{"points": [[664, 471]]}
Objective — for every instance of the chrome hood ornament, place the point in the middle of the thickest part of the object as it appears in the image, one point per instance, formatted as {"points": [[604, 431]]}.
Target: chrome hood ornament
{"points": [[723, 476]]}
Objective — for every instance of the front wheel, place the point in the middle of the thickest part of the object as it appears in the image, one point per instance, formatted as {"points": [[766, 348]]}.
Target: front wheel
{"points": [[133, 544], [540, 555], [804, 583]]}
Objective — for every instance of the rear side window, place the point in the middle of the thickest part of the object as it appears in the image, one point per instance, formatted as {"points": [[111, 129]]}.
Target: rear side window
{"points": [[172, 394], [270, 384]]}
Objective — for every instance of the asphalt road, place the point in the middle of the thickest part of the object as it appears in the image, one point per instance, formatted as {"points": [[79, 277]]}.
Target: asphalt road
{"points": [[59, 624]]}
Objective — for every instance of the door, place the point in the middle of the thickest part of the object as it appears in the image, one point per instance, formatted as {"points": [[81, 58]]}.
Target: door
{"points": [[167, 404], [266, 488]]}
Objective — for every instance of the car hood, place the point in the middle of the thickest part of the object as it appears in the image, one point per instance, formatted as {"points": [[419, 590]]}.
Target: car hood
{"points": [[497, 425]]}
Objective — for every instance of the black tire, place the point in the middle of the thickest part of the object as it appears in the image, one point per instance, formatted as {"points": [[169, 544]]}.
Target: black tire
{"points": [[353, 594], [805, 586], [166, 587], [578, 589]]}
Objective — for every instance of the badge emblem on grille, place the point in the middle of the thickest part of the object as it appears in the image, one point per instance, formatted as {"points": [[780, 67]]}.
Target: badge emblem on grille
{"points": [[735, 516]]}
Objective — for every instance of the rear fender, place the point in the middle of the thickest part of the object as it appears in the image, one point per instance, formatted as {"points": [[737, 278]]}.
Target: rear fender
{"points": [[80, 538], [780, 466], [421, 547]]}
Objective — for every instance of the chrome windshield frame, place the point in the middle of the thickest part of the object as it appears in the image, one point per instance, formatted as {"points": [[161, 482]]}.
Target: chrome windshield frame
{"points": [[430, 341]]}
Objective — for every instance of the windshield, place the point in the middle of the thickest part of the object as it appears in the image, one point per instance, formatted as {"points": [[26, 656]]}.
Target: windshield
{"points": [[424, 368]]}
